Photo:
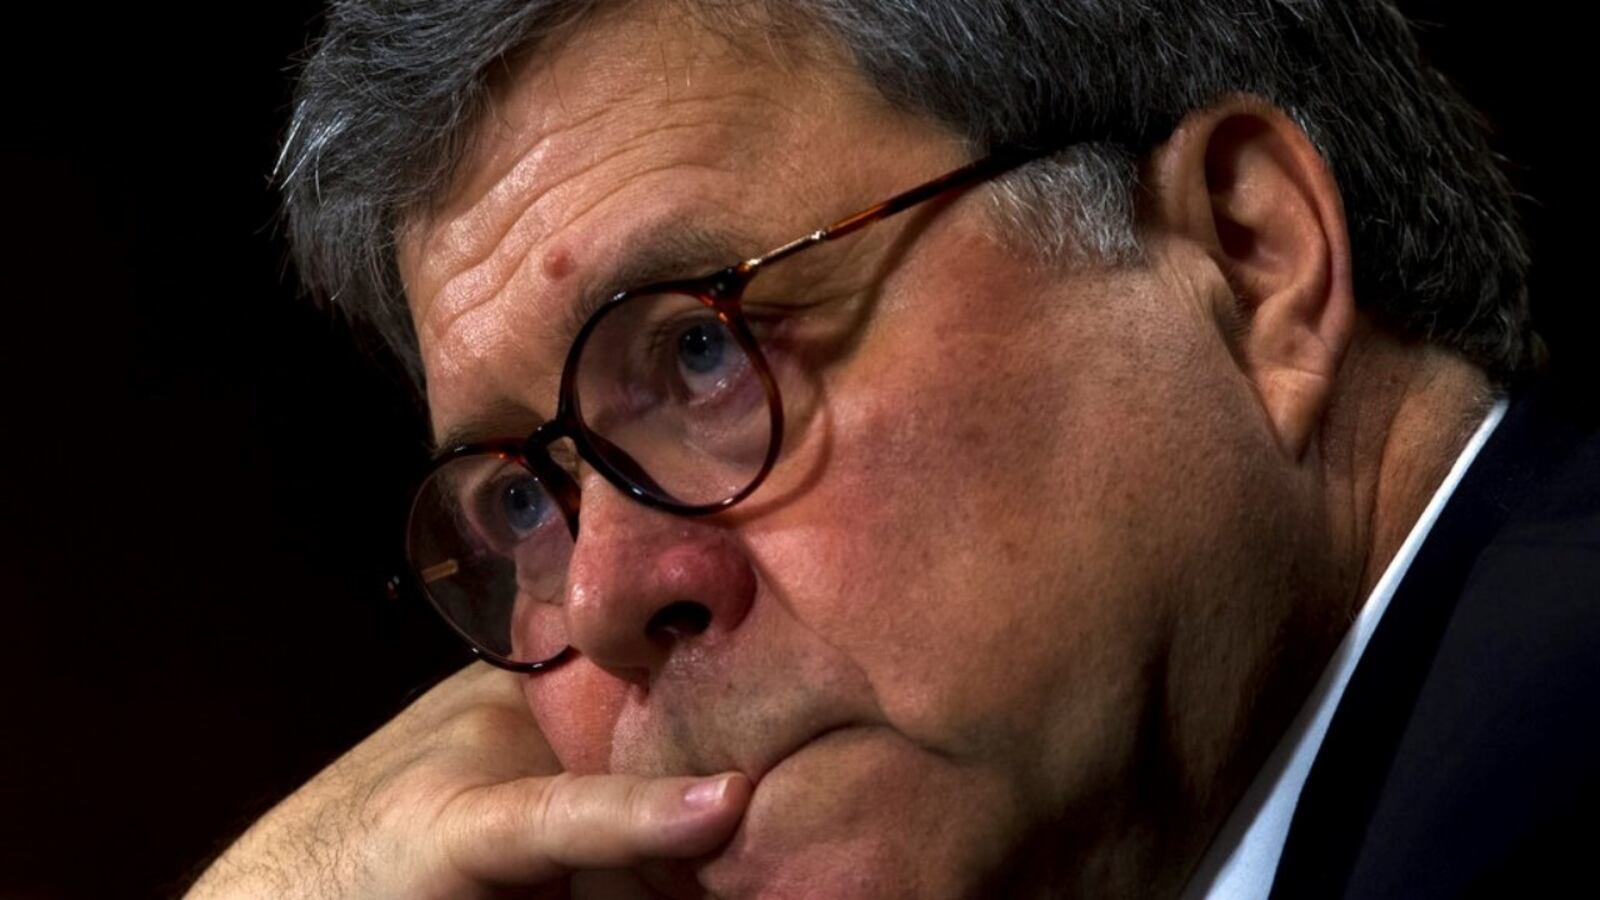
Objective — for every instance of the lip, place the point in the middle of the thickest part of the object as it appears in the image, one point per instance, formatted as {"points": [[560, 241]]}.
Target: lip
{"points": [[817, 737], [683, 879]]}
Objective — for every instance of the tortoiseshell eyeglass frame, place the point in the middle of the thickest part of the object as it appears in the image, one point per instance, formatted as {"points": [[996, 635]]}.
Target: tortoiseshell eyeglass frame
{"points": [[722, 292]]}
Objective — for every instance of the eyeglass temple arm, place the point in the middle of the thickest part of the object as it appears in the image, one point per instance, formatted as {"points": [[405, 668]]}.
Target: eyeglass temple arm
{"points": [[995, 163]]}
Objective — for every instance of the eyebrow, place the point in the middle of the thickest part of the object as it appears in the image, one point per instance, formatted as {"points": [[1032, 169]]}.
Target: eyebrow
{"points": [[669, 250], [497, 420]]}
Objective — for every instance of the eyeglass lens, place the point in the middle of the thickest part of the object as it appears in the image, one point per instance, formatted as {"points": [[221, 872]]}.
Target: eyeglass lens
{"points": [[673, 399], [676, 397]]}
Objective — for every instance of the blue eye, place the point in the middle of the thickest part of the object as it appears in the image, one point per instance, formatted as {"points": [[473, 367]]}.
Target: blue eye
{"points": [[702, 347], [525, 505], [708, 360]]}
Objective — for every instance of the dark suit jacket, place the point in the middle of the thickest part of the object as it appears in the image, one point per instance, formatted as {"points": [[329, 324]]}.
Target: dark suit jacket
{"points": [[1464, 757]]}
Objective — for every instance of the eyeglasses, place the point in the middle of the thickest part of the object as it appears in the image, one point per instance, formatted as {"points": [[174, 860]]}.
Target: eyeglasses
{"points": [[667, 394]]}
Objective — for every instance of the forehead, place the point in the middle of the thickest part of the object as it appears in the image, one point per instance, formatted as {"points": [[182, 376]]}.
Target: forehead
{"points": [[637, 139]]}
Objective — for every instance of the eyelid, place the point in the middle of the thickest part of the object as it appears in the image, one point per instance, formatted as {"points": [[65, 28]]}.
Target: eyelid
{"points": [[789, 290], [486, 518], [474, 495], [679, 249]]}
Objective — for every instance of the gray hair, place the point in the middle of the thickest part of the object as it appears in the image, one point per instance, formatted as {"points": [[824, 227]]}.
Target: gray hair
{"points": [[387, 102]]}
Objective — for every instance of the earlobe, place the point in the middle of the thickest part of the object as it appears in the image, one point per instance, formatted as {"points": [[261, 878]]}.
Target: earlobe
{"points": [[1244, 183]]}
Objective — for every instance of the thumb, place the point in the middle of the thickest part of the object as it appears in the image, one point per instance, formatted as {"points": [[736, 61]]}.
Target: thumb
{"points": [[534, 830]]}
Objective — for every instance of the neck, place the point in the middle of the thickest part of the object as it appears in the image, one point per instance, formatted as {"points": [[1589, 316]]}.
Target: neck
{"points": [[1398, 423], [1391, 442]]}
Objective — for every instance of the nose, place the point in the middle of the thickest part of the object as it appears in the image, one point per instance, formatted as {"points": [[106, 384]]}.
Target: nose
{"points": [[643, 584]]}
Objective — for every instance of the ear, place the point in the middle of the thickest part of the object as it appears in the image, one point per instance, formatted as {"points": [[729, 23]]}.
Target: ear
{"points": [[1243, 183]]}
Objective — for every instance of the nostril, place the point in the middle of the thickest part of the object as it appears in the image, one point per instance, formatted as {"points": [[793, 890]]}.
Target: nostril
{"points": [[682, 619]]}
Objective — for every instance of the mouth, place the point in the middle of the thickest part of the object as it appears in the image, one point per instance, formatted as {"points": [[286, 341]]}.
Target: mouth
{"points": [[684, 879], [832, 818], [772, 764]]}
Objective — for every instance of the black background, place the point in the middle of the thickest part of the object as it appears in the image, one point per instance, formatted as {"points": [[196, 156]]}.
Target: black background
{"points": [[203, 479]]}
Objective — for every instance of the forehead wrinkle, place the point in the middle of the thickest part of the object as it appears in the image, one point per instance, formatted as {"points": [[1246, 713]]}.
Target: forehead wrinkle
{"points": [[594, 206], [531, 101], [521, 174], [676, 244], [500, 185], [470, 291], [472, 247], [478, 237], [479, 365], [630, 179], [627, 91], [484, 226], [621, 88]]}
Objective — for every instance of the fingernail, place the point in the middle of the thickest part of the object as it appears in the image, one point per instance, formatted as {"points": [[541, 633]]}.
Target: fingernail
{"points": [[707, 792]]}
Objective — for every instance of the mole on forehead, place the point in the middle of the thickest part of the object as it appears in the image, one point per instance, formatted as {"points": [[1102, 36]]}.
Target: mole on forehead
{"points": [[569, 123], [669, 249], [474, 246], [558, 263]]}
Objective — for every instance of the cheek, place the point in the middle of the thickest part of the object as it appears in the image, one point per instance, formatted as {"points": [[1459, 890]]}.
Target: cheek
{"points": [[980, 541], [577, 707], [917, 550]]}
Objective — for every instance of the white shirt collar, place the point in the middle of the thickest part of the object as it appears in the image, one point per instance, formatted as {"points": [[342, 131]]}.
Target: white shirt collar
{"points": [[1243, 858]]}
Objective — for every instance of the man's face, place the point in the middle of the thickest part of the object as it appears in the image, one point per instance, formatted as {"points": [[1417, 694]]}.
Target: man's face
{"points": [[959, 621]]}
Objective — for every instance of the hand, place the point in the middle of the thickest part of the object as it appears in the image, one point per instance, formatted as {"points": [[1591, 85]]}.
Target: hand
{"points": [[460, 796]]}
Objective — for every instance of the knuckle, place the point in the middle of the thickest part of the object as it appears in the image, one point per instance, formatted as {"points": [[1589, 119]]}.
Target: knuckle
{"points": [[638, 805], [555, 807], [583, 817]]}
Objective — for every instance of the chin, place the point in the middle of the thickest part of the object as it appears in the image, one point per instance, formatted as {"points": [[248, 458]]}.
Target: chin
{"points": [[861, 813]]}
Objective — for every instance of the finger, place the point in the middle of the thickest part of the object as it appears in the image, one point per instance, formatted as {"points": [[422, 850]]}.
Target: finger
{"points": [[536, 829]]}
